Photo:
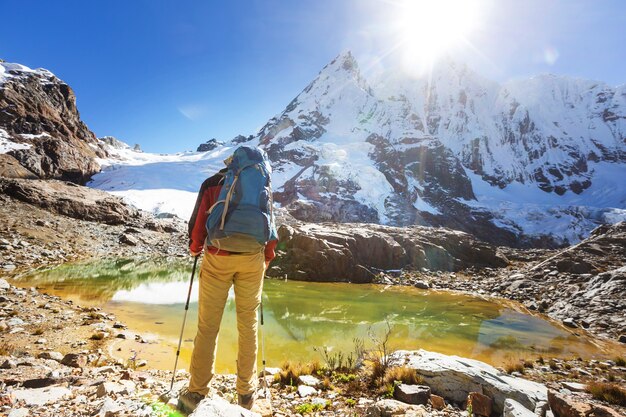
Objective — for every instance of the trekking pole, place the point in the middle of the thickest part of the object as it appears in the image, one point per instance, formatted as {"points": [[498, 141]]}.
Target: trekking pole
{"points": [[267, 391], [182, 329]]}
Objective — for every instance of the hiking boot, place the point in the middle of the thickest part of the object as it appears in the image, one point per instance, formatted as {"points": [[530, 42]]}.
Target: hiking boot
{"points": [[246, 400], [188, 401]]}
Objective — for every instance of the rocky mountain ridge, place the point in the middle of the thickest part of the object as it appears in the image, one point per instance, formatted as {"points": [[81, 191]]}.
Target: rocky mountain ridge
{"points": [[41, 133]]}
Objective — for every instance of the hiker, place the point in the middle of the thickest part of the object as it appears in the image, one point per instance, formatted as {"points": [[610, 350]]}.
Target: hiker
{"points": [[233, 224]]}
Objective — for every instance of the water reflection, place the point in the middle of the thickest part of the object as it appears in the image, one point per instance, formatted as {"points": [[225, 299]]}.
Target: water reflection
{"points": [[148, 295]]}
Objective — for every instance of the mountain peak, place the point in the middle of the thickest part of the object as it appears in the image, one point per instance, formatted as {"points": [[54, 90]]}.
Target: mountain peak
{"points": [[345, 61], [9, 70]]}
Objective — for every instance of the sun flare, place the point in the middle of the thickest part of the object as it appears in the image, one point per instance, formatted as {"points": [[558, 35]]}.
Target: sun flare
{"points": [[430, 28]]}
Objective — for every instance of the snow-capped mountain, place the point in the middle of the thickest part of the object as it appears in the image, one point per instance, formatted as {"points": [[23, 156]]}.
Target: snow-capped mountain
{"points": [[542, 156], [538, 161]]}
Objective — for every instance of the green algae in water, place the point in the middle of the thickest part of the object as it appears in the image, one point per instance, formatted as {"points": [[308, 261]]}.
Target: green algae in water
{"points": [[149, 296]]}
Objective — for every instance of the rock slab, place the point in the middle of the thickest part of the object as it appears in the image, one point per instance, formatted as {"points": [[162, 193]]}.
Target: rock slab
{"points": [[453, 378], [412, 394], [481, 404], [219, 407], [514, 409]]}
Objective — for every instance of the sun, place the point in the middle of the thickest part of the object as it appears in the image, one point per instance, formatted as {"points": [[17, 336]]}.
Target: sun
{"points": [[428, 29]]}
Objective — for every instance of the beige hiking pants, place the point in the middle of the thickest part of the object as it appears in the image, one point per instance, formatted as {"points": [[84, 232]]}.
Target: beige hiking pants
{"points": [[217, 274]]}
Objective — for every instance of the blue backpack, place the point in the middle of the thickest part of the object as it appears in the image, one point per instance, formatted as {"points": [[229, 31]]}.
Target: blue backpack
{"points": [[242, 219]]}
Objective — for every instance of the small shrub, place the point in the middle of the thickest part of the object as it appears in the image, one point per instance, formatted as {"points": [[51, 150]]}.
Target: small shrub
{"points": [[308, 408], [97, 336], [378, 370], [567, 366], [344, 378], [553, 365], [528, 364], [611, 377], [38, 331], [350, 402], [611, 393], [619, 361], [540, 360], [354, 388], [388, 389]]}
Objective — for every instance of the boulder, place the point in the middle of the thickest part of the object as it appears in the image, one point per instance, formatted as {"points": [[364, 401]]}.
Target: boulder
{"points": [[219, 407], [109, 387], [56, 356], [574, 386], [110, 408], [40, 382], [453, 378], [306, 391], [437, 402], [19, 412], [74, 360], [389, 408], [309, 380], [564, 406], [41, 396], [514, 409], [412, 394], [570, 322], [481, 404]]}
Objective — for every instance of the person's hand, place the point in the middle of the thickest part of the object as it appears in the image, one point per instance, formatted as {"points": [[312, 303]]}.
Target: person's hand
{"points": [[195, 254], [267, 264]]}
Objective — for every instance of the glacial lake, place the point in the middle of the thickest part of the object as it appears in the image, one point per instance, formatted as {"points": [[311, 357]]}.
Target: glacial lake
{"points": [[149, 296]]}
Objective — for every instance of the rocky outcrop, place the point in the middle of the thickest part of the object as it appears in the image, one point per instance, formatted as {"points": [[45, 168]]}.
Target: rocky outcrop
{"points": [[70, 200], [357, 252], [39, 110], [603, 250], [454, 378], [209, 145], [11, 168]]}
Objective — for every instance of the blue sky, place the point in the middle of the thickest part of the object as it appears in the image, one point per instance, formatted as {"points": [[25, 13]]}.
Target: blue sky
{"points": [[171, 74]]}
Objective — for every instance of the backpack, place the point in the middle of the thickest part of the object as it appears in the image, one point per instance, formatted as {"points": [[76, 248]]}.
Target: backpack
{"points": [[242, 219]]}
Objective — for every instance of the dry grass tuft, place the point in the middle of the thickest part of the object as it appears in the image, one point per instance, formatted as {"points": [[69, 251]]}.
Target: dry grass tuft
{"points": [[403, 375], [611, 393], [6, 348], [511, 367], [291, 372]]}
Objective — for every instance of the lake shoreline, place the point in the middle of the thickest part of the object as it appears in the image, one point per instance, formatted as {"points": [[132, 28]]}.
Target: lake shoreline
{"points": [[93, 381]]}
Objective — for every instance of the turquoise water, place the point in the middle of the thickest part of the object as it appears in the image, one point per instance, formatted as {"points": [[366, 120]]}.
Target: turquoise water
{"points": [[149, 297]]}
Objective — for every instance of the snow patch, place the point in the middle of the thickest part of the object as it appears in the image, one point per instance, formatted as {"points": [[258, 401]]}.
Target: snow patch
{"points": [[7, 145]]}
